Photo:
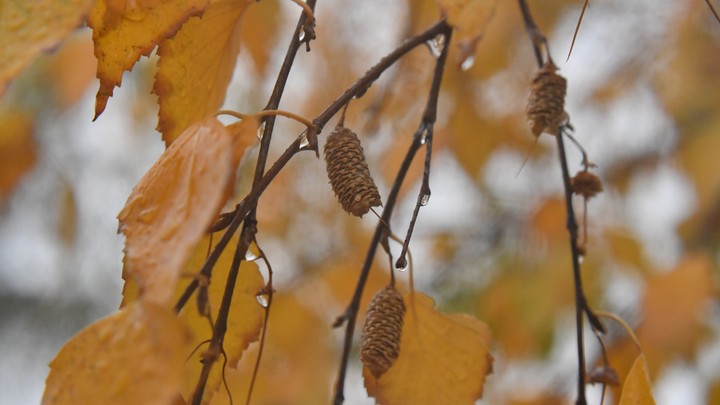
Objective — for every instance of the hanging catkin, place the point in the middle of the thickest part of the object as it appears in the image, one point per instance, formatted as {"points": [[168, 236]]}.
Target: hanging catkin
{"points": [[546, 105], [349, 174], [380, 340]]}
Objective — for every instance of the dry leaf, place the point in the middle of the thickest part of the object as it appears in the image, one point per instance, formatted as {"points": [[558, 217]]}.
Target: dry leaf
{"points": [[637, 389], [124, 30], [437, 351], [175, 203], [132, 357], [30, 27], [196, 66]]}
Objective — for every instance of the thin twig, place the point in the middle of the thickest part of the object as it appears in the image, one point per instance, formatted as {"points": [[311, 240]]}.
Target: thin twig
{"points": [[350, 315], [577, 29], [712, 9], [250, 224], [538, 40], [268, 289], [247, 204]]}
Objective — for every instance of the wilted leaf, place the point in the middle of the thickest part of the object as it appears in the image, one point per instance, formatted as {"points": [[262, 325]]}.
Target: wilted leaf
{"points": [[637, 389], [437, 351], [124, 30], [196, 66], [245, 318], [132, 357], [17, 150], [175, 203], [30, 27]]}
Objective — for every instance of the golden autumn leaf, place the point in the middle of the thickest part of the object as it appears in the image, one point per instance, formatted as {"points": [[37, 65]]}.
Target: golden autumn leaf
{"points": [[436, 351], [245, 319], [132, 357], [637, 389], [470, 19], [299, 359], [135, 27], [30, 27], [196, 66], [176, 201]]}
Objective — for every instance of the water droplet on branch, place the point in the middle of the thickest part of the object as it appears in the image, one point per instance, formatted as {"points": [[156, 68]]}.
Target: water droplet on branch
{"points": [[251, 256], [468, 62], [262, 299], [401, 264], [425, 199], [301, 34], [436, 45], [261, 131]]}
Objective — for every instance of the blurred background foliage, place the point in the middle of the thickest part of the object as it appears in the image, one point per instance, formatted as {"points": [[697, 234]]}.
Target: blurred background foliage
{"points": [[642, 97]]}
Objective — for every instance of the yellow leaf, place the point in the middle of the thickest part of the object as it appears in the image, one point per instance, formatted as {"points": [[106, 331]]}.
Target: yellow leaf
{"points": [[637, 389], [132, 357], [17, 150], [437, 351], [470, 19], [124, 30], [30, 27], [679, 298], [196, 66], [175, 202], [245, 319]]}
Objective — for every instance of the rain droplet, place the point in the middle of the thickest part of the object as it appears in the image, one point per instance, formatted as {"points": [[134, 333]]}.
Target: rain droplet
{"points": [[304, 141], [425, 199], [401, 264], [262, 299], [301, 35], [436, 45], [468, 62], [424, 138], [261, 131], [250, 255]]}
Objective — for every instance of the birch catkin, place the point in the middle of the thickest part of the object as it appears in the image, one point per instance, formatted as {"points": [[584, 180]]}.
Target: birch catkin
{"points": [[349, 173], [546, 104], [380, 340]]}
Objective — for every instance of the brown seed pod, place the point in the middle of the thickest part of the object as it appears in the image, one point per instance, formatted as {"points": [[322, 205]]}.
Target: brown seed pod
{"points": [[349, 174], [546, 104], [586, 184], [380, 340]]}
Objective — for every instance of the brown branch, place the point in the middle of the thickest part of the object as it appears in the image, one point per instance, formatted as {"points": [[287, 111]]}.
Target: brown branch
{"points": [[581, 307], [245, 210], [712, 9], [380, 236]]}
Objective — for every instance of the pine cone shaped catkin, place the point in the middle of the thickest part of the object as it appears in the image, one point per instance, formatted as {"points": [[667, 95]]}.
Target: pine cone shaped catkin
{"points": [[546, 105], [349, 174], [380, 340]]}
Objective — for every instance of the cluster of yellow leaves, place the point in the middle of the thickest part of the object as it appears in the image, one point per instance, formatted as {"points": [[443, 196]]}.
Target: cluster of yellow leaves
{"points": [[164, 221], [197, 55]]}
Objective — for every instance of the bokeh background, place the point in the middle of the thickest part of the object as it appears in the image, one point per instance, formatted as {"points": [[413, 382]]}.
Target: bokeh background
{"points": [[643, 97]]}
